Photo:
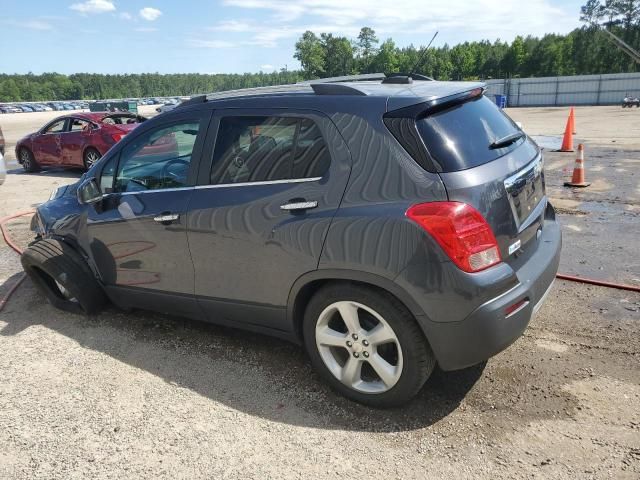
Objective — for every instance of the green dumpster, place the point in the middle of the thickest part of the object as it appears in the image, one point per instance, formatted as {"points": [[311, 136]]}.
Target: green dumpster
{"points": [[114, 107]]}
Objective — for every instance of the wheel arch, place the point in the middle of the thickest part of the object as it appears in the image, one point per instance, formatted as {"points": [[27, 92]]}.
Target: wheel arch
{"points": [[309, 283]]}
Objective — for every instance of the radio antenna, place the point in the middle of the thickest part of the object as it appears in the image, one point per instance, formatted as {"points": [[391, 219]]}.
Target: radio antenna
{"points": [[424, 51]]}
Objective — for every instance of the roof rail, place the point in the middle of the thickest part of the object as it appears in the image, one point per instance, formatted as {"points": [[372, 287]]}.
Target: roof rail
{"points": [[335, 89], [348, 78], [405, 78]]}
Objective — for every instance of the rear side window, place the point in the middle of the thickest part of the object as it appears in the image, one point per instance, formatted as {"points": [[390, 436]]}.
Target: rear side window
{"points": [[260, 149], [461, 136]]}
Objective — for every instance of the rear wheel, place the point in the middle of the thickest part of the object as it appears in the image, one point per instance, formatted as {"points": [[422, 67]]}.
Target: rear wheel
{"points": [[366, 344], [28, 161], [90, 157], [63, 277]]}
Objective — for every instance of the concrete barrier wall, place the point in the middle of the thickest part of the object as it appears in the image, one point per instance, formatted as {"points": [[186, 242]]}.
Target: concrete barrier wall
{"points": [[607, 89]]}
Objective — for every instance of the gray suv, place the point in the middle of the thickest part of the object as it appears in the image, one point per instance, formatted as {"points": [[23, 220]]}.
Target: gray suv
{"points": [[387, 224]]}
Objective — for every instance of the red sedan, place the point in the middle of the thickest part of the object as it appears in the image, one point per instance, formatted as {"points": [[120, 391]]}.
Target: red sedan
{"points": [[75, 140]]}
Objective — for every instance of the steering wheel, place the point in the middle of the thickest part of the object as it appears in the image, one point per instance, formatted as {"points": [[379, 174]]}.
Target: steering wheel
{"points": [[175, 176]]}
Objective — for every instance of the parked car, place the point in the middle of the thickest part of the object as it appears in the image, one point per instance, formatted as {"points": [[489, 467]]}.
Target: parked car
{"points": [[166, 107], [386, 225], [10, 109], [36, 107], [75, 140], [629, 102], [26, 108]]}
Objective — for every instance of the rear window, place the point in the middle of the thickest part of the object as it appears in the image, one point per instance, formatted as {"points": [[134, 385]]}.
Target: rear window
{"points": [[460, 136]]}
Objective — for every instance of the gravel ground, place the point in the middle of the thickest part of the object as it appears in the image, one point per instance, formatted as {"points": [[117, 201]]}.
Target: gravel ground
{"points": [[140, 395]]}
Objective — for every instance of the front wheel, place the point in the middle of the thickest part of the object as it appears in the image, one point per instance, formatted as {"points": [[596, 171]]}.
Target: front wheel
{"points": [[366, 344], [63, 277], [28, 161]]}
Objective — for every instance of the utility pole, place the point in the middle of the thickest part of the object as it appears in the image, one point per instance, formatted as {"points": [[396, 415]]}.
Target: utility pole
{"points": [[621, 44]]}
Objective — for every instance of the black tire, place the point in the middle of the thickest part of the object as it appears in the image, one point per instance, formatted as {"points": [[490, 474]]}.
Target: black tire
{"points": [[28, 161], [50, 263], [418, 359], [90, 157]]}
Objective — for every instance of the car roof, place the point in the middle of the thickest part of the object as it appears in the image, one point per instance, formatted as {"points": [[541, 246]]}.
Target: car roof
{"points": [[94, 116], [398, 95]]}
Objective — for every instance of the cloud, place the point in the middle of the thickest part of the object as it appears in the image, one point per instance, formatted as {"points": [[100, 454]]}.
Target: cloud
{"points": [[231, 26], [267, 67], [199, 43], [126, 16], [150, 14], [30, 24], [481, 19], [37, 25], [94, 6]]}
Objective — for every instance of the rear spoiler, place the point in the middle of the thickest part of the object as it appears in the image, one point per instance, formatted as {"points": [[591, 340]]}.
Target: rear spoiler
{"points": [[421, 110]]}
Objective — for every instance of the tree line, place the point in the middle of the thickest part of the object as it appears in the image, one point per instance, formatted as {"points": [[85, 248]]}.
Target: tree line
{"points": [[585, 50], [55, 86]]}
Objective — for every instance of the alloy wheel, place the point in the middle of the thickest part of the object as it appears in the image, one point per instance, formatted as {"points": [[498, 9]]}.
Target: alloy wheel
{"points": [[26, 159], [359, 347], [91, 157]]}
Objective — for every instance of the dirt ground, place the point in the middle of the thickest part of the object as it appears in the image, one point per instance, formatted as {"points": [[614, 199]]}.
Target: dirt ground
{"points": [[140, 395]]}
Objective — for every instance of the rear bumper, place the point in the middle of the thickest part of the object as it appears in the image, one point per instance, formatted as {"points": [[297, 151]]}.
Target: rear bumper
{"points": [[487, 330]]}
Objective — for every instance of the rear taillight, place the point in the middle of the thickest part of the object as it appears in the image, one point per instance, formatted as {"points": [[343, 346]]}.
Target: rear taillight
{"points": [[117, 136], [461, 231]]}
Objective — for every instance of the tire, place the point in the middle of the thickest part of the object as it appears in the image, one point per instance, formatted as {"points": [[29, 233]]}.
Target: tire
{"points": [[63, 277], [408, 356], [90, 157], [28, 161]]}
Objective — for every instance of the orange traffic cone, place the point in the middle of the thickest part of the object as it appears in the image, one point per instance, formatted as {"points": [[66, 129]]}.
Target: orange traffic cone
{"points": [[572, 118], [577, 180], [567, 140]]}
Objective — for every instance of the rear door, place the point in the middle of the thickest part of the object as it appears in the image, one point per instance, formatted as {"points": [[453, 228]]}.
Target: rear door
{"points": [[485, 160], [137, 233], [73, 141], [259, 216], [47, 145]]}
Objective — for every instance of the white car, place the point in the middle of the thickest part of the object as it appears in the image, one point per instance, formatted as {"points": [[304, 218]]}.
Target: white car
{"points": [[3, 170]]}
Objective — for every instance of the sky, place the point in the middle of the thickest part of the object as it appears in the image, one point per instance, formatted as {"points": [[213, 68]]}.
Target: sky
{"points": [[235, 36]]}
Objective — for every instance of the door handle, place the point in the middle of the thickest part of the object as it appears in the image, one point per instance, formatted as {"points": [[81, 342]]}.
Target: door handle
{"points": [[166, 218], [303, 205]]}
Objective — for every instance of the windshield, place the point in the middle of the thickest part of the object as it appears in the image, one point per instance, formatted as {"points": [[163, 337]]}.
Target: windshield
{"points": [[468, 134]]}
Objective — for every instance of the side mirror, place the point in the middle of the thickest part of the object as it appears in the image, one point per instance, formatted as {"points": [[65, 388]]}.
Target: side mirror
{"points": [[89, 191]]}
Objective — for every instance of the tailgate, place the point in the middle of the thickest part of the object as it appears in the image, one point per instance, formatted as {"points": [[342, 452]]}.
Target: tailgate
{"points": [[509, 192]]}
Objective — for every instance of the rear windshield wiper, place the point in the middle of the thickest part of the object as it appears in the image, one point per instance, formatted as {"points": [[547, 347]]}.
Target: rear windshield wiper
{"points": [[506, 140]]}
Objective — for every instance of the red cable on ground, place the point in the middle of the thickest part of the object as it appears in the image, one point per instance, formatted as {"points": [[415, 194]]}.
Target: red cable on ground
{"points": [[16, 248], [600, 283]]}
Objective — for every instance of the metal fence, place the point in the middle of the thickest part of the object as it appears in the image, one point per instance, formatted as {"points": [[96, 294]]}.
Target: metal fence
{"points": [[608, 89]]}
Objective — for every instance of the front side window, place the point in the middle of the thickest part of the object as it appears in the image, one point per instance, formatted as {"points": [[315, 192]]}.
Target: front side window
{"points": [[56, 127], [158, 159], [260, 149]]}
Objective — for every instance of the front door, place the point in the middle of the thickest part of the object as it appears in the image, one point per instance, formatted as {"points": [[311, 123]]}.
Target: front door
{"points": [[261, 211], [137, 234], [47, 146]]}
